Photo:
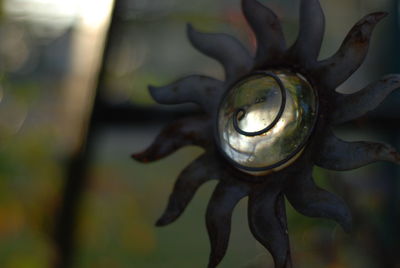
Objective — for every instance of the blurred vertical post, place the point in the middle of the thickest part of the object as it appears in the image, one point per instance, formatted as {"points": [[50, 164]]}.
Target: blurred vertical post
{"points": [[388, 228], [81, 104]]}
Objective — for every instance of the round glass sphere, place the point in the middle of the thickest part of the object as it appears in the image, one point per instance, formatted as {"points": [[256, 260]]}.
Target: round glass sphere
{"points": [[264, 121]]}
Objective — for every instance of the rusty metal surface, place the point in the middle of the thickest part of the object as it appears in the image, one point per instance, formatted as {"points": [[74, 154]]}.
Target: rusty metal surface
{"points": [[266, 192], [336, 154], [333, 71]]}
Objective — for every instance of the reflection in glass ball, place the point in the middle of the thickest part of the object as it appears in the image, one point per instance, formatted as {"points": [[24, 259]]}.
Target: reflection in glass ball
{"points": [[265, 120]]}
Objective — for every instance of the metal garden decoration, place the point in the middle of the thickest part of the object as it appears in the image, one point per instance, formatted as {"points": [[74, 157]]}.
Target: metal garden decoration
{"points": [[267, 125]]}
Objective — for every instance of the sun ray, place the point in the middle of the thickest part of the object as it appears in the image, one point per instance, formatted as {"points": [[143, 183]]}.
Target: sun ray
{"points": [[221, 47], [333, 71], [203, 169], [203, 90], [267, 28], [353, 106], [311, 32], [266, 225], [312, 201], [219, 216], [194, 130], [336, 154]]}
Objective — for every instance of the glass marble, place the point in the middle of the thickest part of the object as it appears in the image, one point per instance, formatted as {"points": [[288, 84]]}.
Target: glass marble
{"points": [[259, 98]]}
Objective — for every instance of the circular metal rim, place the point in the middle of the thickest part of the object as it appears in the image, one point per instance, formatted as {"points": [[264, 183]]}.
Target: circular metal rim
{"points": [[281, 162]]}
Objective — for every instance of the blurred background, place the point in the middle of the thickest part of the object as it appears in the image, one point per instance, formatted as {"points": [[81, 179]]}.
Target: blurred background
{"points": [[74, 105]]}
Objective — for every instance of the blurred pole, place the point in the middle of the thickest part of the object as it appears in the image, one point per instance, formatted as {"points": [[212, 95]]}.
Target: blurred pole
{"points": [[390, 215], [77, 173], [386, 235]]}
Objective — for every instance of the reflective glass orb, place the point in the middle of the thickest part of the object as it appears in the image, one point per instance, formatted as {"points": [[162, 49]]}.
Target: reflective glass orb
{"points": [[264, 121]]}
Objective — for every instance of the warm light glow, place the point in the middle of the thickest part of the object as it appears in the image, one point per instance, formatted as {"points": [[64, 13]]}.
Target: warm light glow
{"points": [[94, 13], [87, 48], [60, 14], [54, 15]]}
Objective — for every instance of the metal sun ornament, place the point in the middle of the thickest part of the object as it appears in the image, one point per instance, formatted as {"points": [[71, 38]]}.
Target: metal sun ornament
{"points": [[268, 124]]}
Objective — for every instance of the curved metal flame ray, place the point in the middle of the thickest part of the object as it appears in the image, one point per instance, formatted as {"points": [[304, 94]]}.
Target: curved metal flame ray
{"points": [[336, 154], [218, 218], [266, 224], [311, 32], [353, 106], [310, 200], [202, 90], [222, 47], [334, 71], [267, 28], [203, 169], [193, 130]]}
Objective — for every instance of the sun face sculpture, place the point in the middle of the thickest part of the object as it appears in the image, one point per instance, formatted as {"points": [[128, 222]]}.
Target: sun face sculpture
{"points": [[267, 125]]}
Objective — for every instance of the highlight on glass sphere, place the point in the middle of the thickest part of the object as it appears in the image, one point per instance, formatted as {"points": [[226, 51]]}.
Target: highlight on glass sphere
{"points": [[264, 121]]}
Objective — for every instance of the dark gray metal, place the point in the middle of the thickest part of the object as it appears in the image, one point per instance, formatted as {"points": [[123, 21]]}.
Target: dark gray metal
{"points": [[310, 200], [353, 106], [201, 170], [233, 56], [264, 212], [311, 32], [334, 71], [266, 191], [336, 154], [267, 28], [218, 218], [190, 89], [182, 132]]}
